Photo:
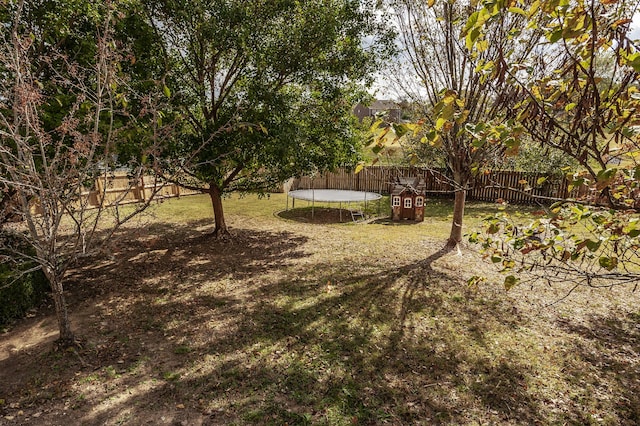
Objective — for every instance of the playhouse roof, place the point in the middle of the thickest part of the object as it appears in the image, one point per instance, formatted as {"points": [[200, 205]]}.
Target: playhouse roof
{"points": [[413, 184]]}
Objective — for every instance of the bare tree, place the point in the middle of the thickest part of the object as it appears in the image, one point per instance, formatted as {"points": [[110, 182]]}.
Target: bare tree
{"points": [[48, 168]]}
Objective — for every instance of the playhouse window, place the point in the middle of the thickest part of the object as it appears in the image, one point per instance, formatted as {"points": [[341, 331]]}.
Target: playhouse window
{"points": [[407, 203], [396, 202], [419, 201]]}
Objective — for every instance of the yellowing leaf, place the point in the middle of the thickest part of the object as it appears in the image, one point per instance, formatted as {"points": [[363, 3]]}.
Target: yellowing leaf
{"points": [[608, 263], [510, 282], [535, 91], [475, 280], [517, 10], [620, 22], [471, 38], [534, 8], [376, 124], [449, 97], [463, 116]]}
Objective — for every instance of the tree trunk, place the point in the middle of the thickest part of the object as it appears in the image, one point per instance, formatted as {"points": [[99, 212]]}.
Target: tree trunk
{"points": [[460, 170], [220, 231], [66, 338], [455, 237]]}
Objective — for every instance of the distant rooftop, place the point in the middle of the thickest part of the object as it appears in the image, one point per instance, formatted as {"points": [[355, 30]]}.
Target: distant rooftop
{"points": [[384, 104]]}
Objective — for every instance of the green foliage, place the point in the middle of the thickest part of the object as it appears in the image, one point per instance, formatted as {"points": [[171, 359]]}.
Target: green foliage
{"points": [[466, 113], [66, 38], [274, 77], [21, 287], [584, 102], [532, 157], [597, 248]]}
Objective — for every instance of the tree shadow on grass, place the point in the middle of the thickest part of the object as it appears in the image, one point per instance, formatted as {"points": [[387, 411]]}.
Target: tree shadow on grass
{"points": [[350, 344], [256, 332], [184, 253], [126, 304], [388, 221], [318, 215], [606, 353]]}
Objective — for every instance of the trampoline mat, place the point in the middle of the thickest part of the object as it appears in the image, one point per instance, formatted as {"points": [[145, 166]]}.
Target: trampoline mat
{"points": [[333, 195]]}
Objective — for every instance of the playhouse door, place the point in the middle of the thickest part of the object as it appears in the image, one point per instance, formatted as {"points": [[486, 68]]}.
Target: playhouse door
{"points": [[408, 211]]}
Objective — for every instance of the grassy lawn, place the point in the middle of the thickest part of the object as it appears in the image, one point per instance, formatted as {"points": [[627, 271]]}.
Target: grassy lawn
{"points": [[301, 322]]}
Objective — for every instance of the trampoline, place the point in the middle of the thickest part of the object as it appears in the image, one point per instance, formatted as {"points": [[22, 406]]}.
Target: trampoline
{"points": [[332, 196]]}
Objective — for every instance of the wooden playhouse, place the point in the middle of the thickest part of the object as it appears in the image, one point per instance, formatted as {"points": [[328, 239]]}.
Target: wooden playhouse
{"points": [[407, 199]]}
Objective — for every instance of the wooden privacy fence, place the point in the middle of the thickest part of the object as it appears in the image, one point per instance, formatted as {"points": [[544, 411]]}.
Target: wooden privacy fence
{"points": [[510, 186], [120, 188]]}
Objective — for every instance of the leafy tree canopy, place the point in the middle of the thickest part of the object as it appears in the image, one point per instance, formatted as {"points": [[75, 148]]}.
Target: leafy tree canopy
{"points": [[262, 86]]}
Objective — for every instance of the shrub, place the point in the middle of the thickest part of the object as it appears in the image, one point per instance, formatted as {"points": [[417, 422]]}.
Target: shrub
{"points": [[19, 290]]}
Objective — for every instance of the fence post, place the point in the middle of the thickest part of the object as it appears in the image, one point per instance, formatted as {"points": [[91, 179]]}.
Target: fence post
{"points": [[143, 191], [100, 190]]}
